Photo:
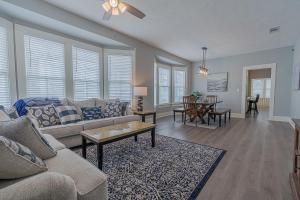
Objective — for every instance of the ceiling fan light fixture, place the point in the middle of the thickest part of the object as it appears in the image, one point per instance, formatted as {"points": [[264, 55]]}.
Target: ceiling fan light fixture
{"points": [[106, 6], [122, 7], [115, 11], [114, 3]]}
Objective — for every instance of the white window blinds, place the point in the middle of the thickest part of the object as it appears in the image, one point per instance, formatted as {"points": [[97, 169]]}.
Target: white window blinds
{"points": [[179, 85], [86, 73], [120, 69], [45, 67], [164, 82], [5, 98]]}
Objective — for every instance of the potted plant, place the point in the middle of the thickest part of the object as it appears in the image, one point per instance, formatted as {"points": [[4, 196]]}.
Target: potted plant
{"points": [[197, 94]]}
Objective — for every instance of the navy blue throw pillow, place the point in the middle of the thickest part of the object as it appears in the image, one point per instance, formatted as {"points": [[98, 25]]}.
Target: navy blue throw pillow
{"points": [[90, 113]]}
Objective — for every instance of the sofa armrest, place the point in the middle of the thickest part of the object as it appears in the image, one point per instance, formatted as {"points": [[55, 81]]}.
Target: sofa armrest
{"points": [[46, 185]]}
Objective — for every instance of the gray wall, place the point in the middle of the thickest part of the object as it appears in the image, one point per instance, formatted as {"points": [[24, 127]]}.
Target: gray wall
{"points": [[283, 57], [145, 54], [295, 98]]}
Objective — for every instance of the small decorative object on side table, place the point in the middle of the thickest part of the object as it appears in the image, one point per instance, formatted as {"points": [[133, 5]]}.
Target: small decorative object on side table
{"points": [[140, 92]]}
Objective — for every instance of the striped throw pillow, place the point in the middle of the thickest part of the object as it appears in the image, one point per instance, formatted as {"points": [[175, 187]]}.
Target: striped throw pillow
{"points": [[68, 114]]}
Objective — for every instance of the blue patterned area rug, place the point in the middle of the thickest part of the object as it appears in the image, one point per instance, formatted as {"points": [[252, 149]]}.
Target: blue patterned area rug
{"points": [[174, 169]]}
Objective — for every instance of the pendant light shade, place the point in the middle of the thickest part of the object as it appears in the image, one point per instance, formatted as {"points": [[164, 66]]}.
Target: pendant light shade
{"points": [[203, 70]]}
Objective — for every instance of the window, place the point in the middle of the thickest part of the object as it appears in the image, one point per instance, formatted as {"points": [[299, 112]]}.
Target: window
{"points": [[119, 67], [45, 67], [86, 73], [5, 96], [261, 87], [170, 84], [164, 84], [179, 84]]}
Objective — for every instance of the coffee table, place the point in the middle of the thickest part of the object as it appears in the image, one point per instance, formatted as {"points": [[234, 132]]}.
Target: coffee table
{"points": [[113, 133]]}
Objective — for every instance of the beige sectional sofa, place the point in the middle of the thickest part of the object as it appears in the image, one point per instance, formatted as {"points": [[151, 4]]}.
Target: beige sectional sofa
{"points": [[70, 134], [69, 177]]}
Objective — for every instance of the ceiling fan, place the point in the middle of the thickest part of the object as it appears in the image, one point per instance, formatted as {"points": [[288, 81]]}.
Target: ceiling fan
{"points": [[116, 7]]}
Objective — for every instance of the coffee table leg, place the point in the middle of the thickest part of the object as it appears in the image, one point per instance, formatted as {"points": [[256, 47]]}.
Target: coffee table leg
{"points": [[100, 155], [153, 137], [135, 138], [83, 147]]}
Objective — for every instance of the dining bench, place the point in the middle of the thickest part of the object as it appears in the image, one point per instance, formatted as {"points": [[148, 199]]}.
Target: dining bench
{"points": [[219, 112]]}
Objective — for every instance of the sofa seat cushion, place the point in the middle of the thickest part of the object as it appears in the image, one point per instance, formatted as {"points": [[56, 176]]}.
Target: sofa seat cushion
{"points": [[98, 123], [62, 131], [124, 119], [89, 180], [54, 142]]}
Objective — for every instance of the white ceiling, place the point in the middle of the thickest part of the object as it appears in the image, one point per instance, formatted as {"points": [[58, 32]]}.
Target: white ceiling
{"points": [[27, 15], [182, 27]]}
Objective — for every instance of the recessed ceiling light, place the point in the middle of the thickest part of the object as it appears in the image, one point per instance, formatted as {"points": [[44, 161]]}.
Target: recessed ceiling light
{"points": [[274, 29]]}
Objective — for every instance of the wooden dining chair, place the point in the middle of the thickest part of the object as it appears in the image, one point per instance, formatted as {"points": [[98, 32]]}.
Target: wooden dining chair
{"points": [[190, 107], [212, 99]]}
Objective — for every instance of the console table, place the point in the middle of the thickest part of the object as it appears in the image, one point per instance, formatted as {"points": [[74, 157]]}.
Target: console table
{"points": [[295, 175]]}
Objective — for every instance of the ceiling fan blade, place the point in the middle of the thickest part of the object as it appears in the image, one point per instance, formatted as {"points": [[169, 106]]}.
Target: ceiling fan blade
{"points": [[107, 15], [134, 11]]}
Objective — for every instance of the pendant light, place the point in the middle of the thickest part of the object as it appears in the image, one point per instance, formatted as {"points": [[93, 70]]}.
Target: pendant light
{"points": [[203, 69]]}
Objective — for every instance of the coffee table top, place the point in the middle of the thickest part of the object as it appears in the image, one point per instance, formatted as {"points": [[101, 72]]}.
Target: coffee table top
{"points": [[145, 112], [115, 131]]}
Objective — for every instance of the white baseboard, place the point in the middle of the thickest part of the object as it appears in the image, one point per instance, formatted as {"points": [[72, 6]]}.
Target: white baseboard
{"points": [[292, 123], [284, 119], [281, 119], [164, 114], [169, 113], [237, 115]]}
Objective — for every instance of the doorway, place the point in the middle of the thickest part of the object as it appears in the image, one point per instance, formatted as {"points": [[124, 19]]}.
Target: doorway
{"points": [[258, 91]]}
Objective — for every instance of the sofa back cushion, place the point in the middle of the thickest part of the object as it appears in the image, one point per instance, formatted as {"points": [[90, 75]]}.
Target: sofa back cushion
{"points": [[11, 112], [91, 113], [45, 115], [112, 109], [24, 132], [4, 116], [17, 160], [68, 114], [82, 104]]}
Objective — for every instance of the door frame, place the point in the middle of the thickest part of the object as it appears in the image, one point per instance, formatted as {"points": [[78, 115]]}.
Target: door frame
{"points": [[271, 66]]}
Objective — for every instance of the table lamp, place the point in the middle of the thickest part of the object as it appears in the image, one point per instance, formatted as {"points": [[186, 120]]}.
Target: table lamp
{"points": [[140, 92]]}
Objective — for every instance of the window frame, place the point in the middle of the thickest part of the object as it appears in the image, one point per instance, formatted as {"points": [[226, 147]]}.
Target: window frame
{"points": [[174, 69], [101, 70], [11, 59], [106, 53], [169, 68], [264, 87], [20, 32]]}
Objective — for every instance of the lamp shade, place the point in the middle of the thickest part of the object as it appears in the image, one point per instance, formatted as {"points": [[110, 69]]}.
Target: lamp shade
{"points": [[140, 91]]}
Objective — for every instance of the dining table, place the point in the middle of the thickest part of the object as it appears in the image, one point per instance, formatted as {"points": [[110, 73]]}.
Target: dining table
{"points": [[205, 107]]}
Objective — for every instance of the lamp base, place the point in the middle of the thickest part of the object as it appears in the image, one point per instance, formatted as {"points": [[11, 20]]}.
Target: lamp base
{"points": [[140, 104]]}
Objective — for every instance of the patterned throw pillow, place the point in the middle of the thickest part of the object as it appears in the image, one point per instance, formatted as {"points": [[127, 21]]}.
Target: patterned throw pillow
{"points": [[68, 114], [4, 116], [45, 116], [22, 130], [18, 161], [112, 109], [11, 112], [90, 113]]}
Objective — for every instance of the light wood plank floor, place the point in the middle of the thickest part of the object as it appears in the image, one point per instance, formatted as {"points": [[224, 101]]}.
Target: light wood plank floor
{"points": [[256, 165]]}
